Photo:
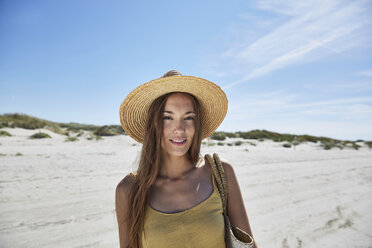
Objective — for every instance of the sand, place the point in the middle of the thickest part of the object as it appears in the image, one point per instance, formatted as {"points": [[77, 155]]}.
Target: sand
{"points": [[62, 194]]}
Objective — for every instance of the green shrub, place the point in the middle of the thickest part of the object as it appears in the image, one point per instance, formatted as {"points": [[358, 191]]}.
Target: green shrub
{"points": [[110, 130], [218, 136], [19, 154], [40, 135], [77, 127], [264, 134], [28, 122], [94, 137], [4, 133], [229, 144], [287, 145], [220, 143], [231, 135], [356, 146], [340, 146], [80, 133], [238, 143], [368, 143], [212, 144], [71, 139], [204, 143], [2, 154], [327, 146], [307, 138]]}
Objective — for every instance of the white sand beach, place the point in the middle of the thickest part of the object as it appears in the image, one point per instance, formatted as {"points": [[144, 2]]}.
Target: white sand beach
{"points": [[62, 194]]}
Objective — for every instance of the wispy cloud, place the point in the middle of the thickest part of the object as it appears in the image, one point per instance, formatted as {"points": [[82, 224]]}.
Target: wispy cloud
{"points": [[311, 30], [279, 105], [340, 87]]}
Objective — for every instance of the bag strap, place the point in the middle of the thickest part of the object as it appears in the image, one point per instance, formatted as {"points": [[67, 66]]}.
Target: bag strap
{"points": [[219, 175]]}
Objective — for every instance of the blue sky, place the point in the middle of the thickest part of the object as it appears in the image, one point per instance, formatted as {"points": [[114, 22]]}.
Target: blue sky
{"points": [[300, 67]]}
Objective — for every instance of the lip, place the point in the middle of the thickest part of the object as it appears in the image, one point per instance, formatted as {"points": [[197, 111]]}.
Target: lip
{"points": [[178, 143]]}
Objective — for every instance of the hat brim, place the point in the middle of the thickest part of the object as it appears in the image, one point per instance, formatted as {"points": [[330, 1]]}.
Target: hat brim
{"points": [[134, 109]]}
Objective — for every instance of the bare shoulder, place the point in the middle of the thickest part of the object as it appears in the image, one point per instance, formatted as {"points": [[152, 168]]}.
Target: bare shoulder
{"points": [[125, 185], [122, 208], [228, 168], [122, 197]]}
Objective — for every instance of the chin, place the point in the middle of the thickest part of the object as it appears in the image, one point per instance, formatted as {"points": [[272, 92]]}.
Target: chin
{"points": [[176, 153]]}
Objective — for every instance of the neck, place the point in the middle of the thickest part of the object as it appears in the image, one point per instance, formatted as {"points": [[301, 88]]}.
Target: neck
{"points": [[175, 167]]}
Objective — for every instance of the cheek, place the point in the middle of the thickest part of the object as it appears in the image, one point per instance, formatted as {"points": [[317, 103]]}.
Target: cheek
{"points": [[166, 128], [191, 129]]}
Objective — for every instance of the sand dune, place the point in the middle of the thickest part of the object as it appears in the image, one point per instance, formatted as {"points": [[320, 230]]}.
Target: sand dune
{"points": [[61, 194]]}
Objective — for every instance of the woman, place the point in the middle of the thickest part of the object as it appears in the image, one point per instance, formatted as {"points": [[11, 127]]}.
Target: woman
{"points": [[172, 199]]}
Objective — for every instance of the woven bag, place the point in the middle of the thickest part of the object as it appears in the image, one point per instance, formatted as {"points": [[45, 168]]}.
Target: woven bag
{"points": [[234, 237]]}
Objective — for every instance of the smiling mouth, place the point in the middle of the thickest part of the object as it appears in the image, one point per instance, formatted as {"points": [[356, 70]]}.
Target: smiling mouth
{"points": [[178, 141]]}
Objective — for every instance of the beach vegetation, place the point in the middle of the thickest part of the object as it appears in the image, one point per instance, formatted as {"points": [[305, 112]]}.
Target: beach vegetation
{"points": [[350, 144], [204, 143], [28, 122], [326, 146], [94, 137], [218, 136], [19, 154], [2, 154], [76, 127], [307, 138], [40, 135], [231, 135], [229, 144], [287, 145], [356, 146], [220, 143], [211, 144], [238, 143], [18, 120], [368, 143], [71, 139], [4, 133], [80, 133], [109, 130]]}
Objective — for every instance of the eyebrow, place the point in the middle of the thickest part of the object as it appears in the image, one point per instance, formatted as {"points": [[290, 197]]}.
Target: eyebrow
{"points": [[170, 112]]}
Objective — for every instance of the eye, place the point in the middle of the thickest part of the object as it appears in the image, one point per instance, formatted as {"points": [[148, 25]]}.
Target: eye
{"points": [[167, 118], [189, 118]]}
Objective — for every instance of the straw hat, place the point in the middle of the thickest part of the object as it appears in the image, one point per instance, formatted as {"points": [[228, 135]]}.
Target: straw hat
{"points": [[133, 110]]}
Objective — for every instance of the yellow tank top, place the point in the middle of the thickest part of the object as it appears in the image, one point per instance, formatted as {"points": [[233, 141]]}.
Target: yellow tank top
{"points": [[199, 226]]}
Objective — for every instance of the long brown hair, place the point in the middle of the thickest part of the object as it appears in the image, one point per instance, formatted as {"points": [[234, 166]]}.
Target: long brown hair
{"points": [[149, 164]]}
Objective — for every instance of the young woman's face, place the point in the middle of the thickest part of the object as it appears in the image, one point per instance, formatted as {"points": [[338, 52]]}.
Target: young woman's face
{"points": [[178, 124]]}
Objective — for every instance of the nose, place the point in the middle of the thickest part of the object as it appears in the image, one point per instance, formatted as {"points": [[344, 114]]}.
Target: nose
{"points": [[179, 126]]}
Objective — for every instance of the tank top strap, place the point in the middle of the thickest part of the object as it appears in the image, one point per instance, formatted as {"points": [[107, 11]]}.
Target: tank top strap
{"points": [[212, 176]]}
